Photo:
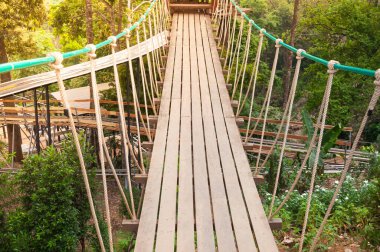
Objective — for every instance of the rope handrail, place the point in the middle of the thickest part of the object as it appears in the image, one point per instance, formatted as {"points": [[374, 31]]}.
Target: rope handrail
{"points": [[7, 67], [358, 70]]}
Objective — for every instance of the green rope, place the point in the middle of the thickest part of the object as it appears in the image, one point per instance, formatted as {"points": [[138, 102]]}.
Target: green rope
{"points": [[7, 67], [352, 69]]}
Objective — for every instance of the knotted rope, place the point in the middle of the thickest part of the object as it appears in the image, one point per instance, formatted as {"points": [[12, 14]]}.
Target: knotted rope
{"points": [[293, 89], [57, 66], [136, 103], [244, 62], [254, 73], [231, 42], [124, 135], [99, 126], [331, 71], [371, 106], [268, 96], [236, 53], [253, 80]]}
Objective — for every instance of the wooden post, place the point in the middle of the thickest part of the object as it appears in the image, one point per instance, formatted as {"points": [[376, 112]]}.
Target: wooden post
{"points": [[48, 122], [36, 126]]}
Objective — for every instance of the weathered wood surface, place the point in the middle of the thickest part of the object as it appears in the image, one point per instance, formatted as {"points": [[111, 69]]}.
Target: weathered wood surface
{"points": [[200, 194], [39, 80]]}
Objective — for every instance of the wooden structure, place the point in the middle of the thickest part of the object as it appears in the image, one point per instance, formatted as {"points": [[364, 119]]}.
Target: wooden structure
{"points": [[200, 191]]}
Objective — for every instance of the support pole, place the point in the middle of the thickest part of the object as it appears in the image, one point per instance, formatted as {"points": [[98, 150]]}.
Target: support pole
{"points": [[36, 126], [48, 121]]}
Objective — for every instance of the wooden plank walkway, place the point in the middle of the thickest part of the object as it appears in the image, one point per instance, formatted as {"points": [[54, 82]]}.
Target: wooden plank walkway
{"points": [[200, 194]]}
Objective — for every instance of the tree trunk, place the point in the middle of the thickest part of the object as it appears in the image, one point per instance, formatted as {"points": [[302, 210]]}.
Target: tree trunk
{"points": [[89, 26], [120, 16], [13, 130], [288, 55]]}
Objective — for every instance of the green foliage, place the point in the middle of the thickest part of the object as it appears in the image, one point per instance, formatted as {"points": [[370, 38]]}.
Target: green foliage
{"points": [[54, 213], [342, 30], [328, 141], [48, 213], [124, 241]]}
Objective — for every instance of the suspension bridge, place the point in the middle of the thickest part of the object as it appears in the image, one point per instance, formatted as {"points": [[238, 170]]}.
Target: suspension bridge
{"points": [[186, 108]]}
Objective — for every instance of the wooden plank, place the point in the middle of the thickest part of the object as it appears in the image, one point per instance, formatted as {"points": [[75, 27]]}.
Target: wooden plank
{"points": [[39, 80], [185, 219], [189, 6], [243, 233], [204, 225], [148, 219], [264, 237], [222, 220], [167, 216]]}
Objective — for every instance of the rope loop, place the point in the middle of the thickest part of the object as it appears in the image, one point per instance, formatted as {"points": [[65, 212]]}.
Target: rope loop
{"points": [[262, 31], [251, 22], [278, 43], [377, 76], [330, 65], [137, 25], [92, 53], [127, 33], [114, 41], [57, 64], [299, 54]]}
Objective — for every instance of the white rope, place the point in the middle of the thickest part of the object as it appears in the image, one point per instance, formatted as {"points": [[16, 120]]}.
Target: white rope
{"points": [[254, 74], [57, 66], [305, 159], [99, 126], [231, 43], [236, 53], [371, 106], [299, 58], [124, 135], [269, 95], [331, 71], [227, 31], [152, 80], [254, 79], [145, 85], [135, 100], [243, 69]]}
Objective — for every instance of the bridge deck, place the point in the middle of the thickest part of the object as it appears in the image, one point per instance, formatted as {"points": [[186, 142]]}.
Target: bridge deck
{"points": [[200, 193]]}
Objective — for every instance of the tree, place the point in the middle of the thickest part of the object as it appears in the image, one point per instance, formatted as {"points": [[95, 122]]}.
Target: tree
{"points": [[54, 213], [17, 18], [288, 55]]}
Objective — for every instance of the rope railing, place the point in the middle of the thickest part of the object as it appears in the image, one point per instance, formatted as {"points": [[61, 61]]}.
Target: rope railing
{"points": [[7, 67], [315, 143], [338, 66]]}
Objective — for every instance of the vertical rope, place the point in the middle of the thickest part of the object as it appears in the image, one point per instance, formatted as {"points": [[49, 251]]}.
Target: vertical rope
{"points": [[135, 101], [254, 78], [228, 30], [152, 80], [267, 102], [254, 74], [331, 71], [124, 135], [231, 43], [236, 52], [371, 106], [244, 62], [144, 84], [154, 62], [299, 58], [57, 66], [305, 159], [99, 126]]}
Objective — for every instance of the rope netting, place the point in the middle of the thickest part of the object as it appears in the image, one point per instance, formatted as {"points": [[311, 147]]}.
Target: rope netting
{"points": [[229, 19]]}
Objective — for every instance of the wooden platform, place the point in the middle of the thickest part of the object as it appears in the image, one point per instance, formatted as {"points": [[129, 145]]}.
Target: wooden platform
{"points": [[200, 195]]}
